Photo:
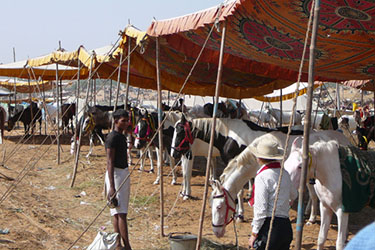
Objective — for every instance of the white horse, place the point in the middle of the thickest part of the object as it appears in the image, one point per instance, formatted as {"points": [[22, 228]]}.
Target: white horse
{"points": [[237, 173], [245, 159], [276, 113], [262, 118], [325, 167]]}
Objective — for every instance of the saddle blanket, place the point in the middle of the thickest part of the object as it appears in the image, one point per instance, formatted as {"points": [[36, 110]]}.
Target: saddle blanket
{"points": [[358, 178]]}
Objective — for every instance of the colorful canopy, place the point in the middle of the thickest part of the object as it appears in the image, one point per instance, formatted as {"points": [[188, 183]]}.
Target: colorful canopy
{"points": [[26, 87], [263, 47]]}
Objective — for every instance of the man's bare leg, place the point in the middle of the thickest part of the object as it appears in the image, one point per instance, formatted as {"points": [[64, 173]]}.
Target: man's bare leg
{"points": [[115, 221], [123, 226]]}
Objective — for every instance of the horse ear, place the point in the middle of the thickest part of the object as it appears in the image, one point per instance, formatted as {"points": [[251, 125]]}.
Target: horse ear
{"points": [[183, 118], [215, 184], [295, 143]]}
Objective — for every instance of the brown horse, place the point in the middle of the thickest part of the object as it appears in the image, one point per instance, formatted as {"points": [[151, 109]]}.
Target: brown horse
{"points": [[2, 122]]}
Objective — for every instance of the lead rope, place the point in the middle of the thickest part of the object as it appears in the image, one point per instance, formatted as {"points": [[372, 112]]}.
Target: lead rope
{"points": [[235, 233], [290, 126]]}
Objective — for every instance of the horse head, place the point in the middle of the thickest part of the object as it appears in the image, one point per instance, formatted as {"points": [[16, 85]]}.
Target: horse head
{"points": [[182, 137], [364, 135], [223, 208], [293, 164], [143, 129]]}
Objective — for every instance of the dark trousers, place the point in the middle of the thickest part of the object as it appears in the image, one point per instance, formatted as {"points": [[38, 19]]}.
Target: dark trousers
{"points": [[281, 235]]}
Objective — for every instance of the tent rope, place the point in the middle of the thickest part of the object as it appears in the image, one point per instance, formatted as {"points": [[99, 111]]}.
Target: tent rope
{"points": [[291, 121], [154, 136]]}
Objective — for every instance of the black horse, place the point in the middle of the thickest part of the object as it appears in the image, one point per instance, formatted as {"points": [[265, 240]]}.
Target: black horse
{"points": [[67, 112], [365, 135], [28, 117]]}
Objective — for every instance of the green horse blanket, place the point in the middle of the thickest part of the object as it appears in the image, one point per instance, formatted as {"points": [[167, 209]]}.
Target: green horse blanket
{"points": [[358, 178]]}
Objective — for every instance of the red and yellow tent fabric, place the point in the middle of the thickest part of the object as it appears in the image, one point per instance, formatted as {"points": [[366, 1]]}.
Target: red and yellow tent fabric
{"points": [[26, 87], [263, 49]]}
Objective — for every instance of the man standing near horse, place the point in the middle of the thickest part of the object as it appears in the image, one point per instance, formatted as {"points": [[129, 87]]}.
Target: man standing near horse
{"points": [[117, 173], [268, 154]]}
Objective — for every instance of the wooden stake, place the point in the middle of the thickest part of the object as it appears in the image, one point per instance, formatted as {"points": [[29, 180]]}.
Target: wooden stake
{"points": [[110, 94], [307, 126], [77, 107], [78, 149], [160, 159], [210, 149]]}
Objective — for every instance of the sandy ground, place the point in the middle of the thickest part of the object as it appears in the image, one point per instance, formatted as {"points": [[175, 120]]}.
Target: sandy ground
{"points": [[43, 212]]}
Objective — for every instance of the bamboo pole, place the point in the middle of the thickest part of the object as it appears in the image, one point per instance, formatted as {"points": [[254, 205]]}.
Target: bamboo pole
{"points": [[45, 113], [118, 83], [31, 113], [160, 159], [307, 125], [210, 149], [58, 114], [78, 149], [94, 90], [110, 94], [281, 108], [127, 76], [77, 107]]}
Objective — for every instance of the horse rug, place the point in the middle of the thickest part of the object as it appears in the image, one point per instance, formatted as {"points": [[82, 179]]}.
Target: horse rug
{"points": [[358, 178]]}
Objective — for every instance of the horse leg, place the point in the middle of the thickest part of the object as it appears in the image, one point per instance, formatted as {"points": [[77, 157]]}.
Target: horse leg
{"points": [[342, 221], [150, 155], [142, 152], [325, 217], [240, 209], [91, 145], [156, 182], [187, 169], [313, 199], [172, 163]]}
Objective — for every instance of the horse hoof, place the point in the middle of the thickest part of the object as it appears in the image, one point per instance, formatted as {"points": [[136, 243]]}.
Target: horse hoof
{"points": [[151, 171], [309, 222], [174, 182], [240, 218], [156, 182], [186, 197]]}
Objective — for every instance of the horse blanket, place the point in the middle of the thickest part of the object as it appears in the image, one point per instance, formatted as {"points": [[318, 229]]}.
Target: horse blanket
{"points": [[358, 178]]}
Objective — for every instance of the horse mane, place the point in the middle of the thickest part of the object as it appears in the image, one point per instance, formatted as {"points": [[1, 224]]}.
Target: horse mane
{"points": [[324, 146], [205, 124]]}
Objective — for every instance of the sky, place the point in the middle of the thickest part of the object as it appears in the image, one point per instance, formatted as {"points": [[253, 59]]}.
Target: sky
{"points": [[35, 27]]}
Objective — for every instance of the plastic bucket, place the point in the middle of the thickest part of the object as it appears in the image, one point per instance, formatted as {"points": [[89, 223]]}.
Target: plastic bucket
{"points": [[185, 241]]}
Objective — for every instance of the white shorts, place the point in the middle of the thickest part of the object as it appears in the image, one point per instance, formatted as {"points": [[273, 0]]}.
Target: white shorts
{"points": [[123, 194]]}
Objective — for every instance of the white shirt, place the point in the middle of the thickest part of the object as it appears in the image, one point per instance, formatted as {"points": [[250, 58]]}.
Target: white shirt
{"points": [[265, 194]]}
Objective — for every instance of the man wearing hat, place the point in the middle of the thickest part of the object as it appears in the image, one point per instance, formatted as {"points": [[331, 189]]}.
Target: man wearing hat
{"points": [[117, 173], [268, 154]]}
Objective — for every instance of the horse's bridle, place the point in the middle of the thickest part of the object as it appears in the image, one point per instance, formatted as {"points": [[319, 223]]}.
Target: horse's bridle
{"points": [[225, 195], [188, 137], [149, 132]]}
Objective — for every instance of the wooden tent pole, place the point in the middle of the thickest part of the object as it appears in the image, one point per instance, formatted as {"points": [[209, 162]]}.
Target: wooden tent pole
{"points": [[15, 83], [94, 90], [78, 149], [110, 94], [217, 92], [58, 114], [44, 101], [306, 133], [127, 76], [281, 108], [31, 113], [118, 84], [160, 159], [77, 107]]}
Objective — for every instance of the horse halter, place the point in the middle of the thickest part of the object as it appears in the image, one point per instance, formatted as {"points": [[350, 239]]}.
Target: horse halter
{"points": [[148, 133], [364, 147], [225, 195], [91, 124], [188, 138]]}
